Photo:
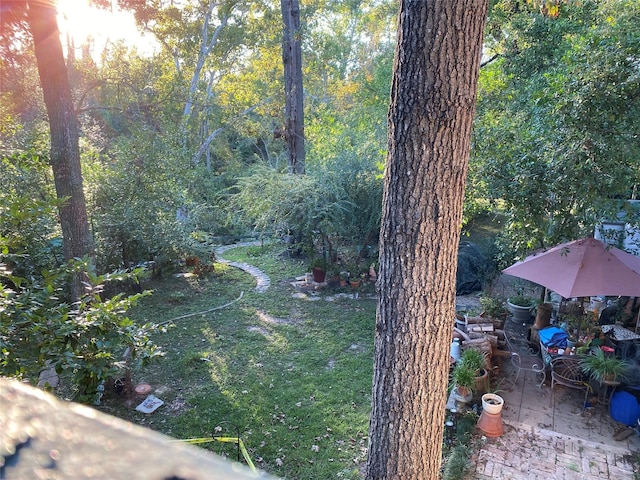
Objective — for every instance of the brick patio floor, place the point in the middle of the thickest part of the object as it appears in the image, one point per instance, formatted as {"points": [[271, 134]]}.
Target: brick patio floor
{"points": [[551, 439]]}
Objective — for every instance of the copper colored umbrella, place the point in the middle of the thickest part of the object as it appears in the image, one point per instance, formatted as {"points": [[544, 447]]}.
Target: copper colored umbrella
{"points": [[582, 268]]}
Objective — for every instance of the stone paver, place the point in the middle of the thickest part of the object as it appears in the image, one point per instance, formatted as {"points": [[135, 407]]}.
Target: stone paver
{"points": [[262, 279]]}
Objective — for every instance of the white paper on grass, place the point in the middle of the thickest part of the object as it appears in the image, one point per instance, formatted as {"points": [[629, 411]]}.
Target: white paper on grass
{"points": [[150, 404]]}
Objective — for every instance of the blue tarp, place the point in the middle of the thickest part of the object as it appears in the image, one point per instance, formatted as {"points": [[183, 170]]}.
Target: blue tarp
{"points": [[553, 337]]}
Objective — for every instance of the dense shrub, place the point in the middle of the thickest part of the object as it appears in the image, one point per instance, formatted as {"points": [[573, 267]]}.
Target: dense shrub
{"points": [[86, 340]]}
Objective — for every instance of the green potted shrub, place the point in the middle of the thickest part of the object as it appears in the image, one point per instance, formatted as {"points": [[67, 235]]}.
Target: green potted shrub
{"points": [[493, 306], [602, 367], [476, 361], [521, 307], [464, 381], [333, 275], [319, 269], [355, 279]]}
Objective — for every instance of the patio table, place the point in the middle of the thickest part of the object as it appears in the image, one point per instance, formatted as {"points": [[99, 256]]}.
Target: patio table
{"points": [[620, 333], [625, 340]]}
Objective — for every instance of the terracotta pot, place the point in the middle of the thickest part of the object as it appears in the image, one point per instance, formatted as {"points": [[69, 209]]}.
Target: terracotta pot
{"points": [[192, 261], [354, 283], [543, 316], [319, 275], [462, 394]]}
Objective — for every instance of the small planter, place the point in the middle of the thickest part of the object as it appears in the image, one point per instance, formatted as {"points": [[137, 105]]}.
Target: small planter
{"points": [[462, 394], [319, 275], [192, 261], [354, 283], [482, 381], [492, 403]]}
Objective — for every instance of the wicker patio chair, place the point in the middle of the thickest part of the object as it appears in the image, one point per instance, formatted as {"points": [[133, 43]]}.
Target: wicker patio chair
{"points": [[567, 371], [525, 355]]}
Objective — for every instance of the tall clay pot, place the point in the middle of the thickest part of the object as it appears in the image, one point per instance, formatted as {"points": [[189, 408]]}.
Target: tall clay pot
{"points": [[543, 316], [482, 382], [318, 275]]}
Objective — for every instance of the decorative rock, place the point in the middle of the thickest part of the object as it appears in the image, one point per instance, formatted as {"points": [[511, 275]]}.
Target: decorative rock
{"points": [[48, 376], [262, 279]]}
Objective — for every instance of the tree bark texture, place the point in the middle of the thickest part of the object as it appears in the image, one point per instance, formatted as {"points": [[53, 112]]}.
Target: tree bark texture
{"points": [[294, 94], [433, 97], [65, 152]]}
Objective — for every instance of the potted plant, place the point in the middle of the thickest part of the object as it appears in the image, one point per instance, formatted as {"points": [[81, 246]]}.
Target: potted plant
{"points": [[493, 306], [492, 403], [521, 307], [333, 274], [354, 276], [319, 269], [464, 382], [476, 361], [602, 367]]}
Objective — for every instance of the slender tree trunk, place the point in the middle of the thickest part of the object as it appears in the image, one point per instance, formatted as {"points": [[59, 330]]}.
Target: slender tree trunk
{"points": [[432, 106], [294, 95], [65, 153]]}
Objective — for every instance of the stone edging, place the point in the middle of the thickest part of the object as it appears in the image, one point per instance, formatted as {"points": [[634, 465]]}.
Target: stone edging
{"points": [[262, 279]]}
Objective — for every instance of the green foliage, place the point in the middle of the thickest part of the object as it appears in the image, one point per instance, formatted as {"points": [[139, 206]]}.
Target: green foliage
{"points": [[87, 341], [493, 306], [28, 215], [464, 376], [599, 366], [473, 359], [319, 262], [552, 139], [522, 300], [456, 463], [283, 203], [139, 208]]}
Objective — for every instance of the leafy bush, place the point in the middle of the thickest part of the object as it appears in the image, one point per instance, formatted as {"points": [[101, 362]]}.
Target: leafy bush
{"points": [[289, 205], [86, 340], [28, 214], [493, 306]]}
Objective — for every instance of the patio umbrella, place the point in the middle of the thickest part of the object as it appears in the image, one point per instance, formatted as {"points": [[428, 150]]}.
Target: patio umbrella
{"points": [[582, 268]]}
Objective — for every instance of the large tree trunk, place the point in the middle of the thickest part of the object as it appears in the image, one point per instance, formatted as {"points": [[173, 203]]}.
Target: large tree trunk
{"points": [[430, 119], [294, 103], [65, 153]]}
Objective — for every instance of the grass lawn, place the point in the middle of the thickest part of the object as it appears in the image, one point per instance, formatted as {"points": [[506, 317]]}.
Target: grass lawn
{"points": [[291, 375]]}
